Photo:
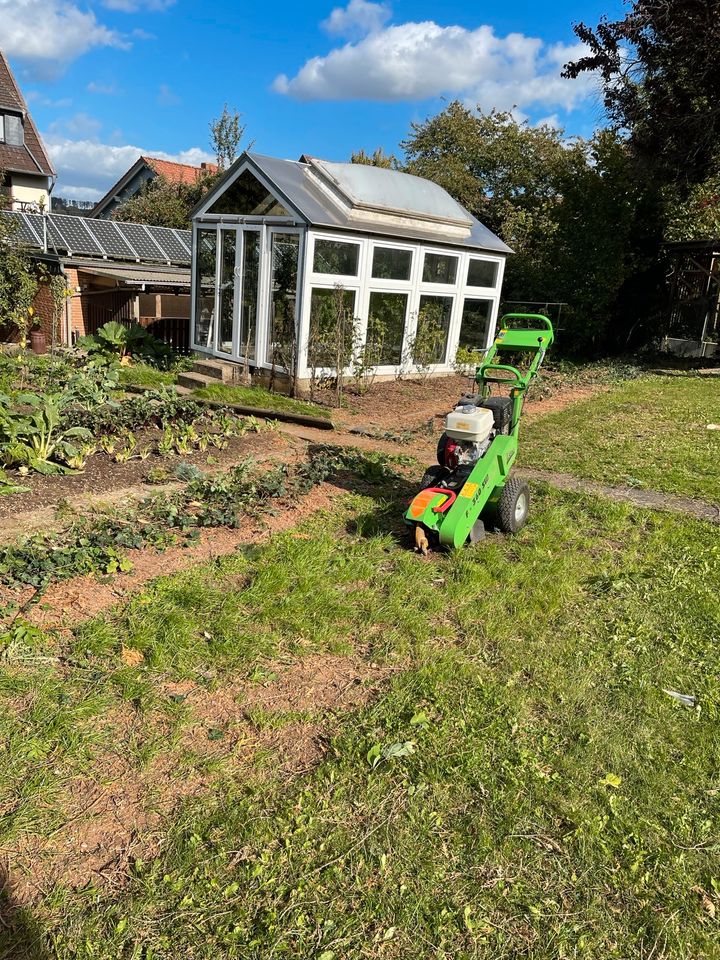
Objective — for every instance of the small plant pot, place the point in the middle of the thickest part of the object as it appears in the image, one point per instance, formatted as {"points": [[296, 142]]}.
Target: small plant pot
{"points": [[38, 341]]}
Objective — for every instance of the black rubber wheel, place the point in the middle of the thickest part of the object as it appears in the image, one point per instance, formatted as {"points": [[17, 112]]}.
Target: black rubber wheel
{"points": [[432, 476], [513, 505], [442, 442]]}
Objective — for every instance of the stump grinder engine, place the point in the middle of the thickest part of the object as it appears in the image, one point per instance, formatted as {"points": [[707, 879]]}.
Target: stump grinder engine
{"points": [[471, 484]]}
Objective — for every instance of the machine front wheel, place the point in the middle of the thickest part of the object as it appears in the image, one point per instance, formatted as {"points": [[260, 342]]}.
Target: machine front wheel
{"points": [[513, 505], [433, 476]]}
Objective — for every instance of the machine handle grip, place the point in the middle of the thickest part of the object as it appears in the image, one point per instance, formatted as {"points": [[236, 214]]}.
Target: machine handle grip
{"points": [[446, 504], [483, 371], [527, 316]]}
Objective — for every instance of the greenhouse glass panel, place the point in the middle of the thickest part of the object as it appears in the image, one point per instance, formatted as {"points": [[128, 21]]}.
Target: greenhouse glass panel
{"points": [[227, 290], [433, 327], [205, 287], [250, 282], [386, 328], [439, 268], [336, 257], [246, 196], [285, 248], [332, 325], [389, 263], [482, 273], [475, 324]]}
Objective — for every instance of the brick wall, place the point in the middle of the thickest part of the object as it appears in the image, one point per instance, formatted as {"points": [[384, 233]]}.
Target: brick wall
{"points": [[44, 309]]}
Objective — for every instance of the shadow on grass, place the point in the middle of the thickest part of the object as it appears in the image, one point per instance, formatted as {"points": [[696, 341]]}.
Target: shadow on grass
{"points": [[21, 937], [391, 492]]}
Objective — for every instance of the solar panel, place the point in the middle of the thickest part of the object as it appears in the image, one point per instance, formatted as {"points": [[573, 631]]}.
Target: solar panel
{"points": [[171, 244], [102, 238], [78, 237], [112, 240], [36, 223], [141, 240], [23, 230]]}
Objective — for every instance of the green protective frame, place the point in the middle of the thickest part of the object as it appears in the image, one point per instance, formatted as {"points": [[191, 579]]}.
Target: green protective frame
{"points": [[489, 475]]}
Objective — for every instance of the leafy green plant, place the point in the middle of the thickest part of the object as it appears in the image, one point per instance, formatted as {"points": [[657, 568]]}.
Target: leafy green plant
{"points": [[117, 339], [35, 438]]}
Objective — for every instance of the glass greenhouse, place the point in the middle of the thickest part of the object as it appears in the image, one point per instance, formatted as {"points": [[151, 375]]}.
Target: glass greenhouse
{"points": [[280, 246]]}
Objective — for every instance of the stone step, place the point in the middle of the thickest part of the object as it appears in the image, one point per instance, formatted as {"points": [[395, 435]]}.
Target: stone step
{"points": [[217, 369], [195, 380]]}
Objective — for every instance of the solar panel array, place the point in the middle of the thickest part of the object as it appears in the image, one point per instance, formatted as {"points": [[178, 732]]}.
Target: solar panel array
{"points": [[73, 236]]}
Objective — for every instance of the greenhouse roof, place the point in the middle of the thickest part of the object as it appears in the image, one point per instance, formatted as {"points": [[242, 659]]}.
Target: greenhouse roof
{"points": [[361, 198]]}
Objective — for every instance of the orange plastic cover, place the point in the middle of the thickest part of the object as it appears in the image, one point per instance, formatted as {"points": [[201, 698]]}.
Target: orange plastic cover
{"points": [[422, 501]]}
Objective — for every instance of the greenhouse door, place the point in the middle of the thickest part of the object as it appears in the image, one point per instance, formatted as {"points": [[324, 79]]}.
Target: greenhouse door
{"points": [[248, 275]]}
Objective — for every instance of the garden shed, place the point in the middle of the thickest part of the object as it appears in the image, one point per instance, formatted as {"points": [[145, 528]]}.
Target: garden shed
{"points": [[280, 245]]}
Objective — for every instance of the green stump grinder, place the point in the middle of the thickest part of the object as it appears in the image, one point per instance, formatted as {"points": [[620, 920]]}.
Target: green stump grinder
{"points": [[472, 486]]}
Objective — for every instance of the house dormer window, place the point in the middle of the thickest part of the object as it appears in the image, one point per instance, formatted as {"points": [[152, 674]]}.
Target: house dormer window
{"points": [[11, 129]]}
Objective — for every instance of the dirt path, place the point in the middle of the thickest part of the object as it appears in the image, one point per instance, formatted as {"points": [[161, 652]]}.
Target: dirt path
{"points": [[120, 811], [70, 602], [652, 499]]}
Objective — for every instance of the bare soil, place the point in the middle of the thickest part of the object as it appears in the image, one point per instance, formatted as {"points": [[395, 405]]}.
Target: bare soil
{"points": [[70, 602], [103, 477], [120, 813]]}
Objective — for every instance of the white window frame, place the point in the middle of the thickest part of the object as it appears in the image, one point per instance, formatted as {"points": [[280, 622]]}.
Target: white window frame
{"points": [[335, 278], [266, 295], [292, 218], [498, 261]]}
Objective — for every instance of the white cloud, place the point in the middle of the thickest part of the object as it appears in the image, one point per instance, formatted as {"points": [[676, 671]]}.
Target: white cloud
{"points": [[358, 18], [50, 33], [416, 61], [79, 125], [553, 121], [103, 89], [87, 168]]}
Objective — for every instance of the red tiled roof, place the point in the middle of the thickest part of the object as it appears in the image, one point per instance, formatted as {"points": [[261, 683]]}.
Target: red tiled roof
{"points": [[178, 172], [31, 157]]}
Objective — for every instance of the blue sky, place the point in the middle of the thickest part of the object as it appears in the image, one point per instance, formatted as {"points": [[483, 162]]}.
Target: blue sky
{"points": [[107, 80]]}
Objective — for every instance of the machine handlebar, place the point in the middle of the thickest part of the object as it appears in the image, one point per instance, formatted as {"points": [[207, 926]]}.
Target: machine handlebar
{"points": [[527, 316], [516, 375]]}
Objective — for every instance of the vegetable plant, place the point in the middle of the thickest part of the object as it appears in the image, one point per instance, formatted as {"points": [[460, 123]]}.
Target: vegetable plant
{"points": [[36, 439]]}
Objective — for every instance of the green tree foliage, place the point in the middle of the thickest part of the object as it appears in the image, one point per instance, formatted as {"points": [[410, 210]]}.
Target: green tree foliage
{"points": [[164, 204], [573, 212], [378, 158], [226, 134], [661, 84], [697, 217], [18, 281]]}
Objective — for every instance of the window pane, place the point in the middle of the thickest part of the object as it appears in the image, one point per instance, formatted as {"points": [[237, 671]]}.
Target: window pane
{"points": [[250, 280], [475, 323], [482, 273], [386, 327], [336, 257], [439, 268], [227, 290], [332, 318], [283, 292], [389, 264], [13, 130], [205, 288], [433, 326], [246, 196]]}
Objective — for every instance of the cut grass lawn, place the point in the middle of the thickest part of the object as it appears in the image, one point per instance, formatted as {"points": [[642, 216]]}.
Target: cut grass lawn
{"points": [[522, 786], [143, 375], [261, 398], [650, 433]]}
